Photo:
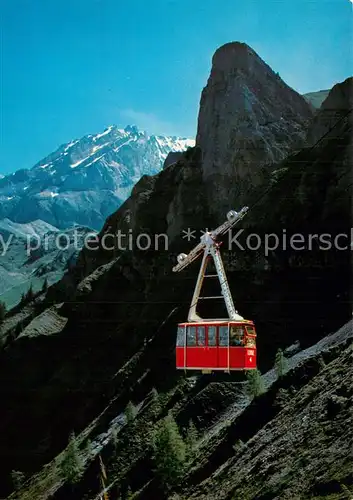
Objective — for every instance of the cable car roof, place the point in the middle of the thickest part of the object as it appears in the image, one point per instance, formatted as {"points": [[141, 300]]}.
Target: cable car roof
{"points": [[223, 321]]}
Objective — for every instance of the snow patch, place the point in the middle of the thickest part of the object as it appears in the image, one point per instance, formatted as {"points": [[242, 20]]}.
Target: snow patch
{"points": [[94, 161], [174, 144], [47, 194], [123, 144], [106, 131], [74, 165], [70, 145], [99, 147]]}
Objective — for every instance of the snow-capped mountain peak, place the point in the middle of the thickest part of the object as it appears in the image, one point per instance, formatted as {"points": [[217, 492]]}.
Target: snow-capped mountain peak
{"points": [[86, 179]]}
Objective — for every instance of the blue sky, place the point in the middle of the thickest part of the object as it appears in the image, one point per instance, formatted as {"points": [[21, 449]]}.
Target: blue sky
{"points": [[73, 67]]}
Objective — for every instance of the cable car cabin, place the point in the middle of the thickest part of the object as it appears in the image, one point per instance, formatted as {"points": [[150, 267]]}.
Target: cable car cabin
{"points": [[216, 345]]}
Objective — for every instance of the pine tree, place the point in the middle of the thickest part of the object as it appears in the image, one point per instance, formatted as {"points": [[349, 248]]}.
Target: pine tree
{"points": [[191, 435], [72, 465], [191, 439], [45, 286], [2, 311], [30, 294], [129, 494], [255, 383], [88, 446], [280, 363], [130, 413], [18, 329], [115, 437], [156, 406], [169, 452], [17, 478]]}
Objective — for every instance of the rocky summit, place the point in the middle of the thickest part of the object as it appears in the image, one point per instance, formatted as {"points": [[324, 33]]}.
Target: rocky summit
{"points": [[96, 172], [249, 117], [90, 378]]}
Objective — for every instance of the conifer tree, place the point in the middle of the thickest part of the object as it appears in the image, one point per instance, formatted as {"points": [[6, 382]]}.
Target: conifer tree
{"points": [[115, 437], [191, 434], [45, 286], [129, 494], [156, 406], [130, 413], [255, 383], [191, 439], [88, 446], [30, 294], [18, 329], [280, 363], [2, 311], [72, 465], [169, 452]]}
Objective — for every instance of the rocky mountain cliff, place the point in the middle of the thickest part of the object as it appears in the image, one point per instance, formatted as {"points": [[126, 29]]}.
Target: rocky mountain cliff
{"points": [[105, 335], [335, 107], [249, 117], [96, 172]]}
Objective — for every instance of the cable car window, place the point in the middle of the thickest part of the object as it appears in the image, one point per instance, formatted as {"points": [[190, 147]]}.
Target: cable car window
{"points": [[180, 336], [212, 336], [236, 335], [191, 336], [223, 336], [250, 342], [201, 337], [251, 330]]}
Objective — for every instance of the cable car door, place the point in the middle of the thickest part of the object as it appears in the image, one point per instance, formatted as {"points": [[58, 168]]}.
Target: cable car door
{"points": [[211, 354], [223, 347]]}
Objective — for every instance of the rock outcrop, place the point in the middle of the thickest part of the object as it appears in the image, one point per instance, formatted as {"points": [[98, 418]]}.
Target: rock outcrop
{"points": [[172, 157], [248, 118], [338, 106]]}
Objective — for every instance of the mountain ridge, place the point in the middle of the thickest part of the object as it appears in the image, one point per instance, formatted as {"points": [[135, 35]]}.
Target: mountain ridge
{"points": [[316, 98], [97, 172]]}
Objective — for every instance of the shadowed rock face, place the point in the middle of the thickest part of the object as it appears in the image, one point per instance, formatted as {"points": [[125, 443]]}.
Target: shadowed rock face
{"points": [[248, 118], [336, 107], [172, 158]]}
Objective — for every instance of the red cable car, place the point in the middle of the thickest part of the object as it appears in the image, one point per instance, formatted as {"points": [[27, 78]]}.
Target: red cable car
{"points": [[220, 345], [214, 344]]}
